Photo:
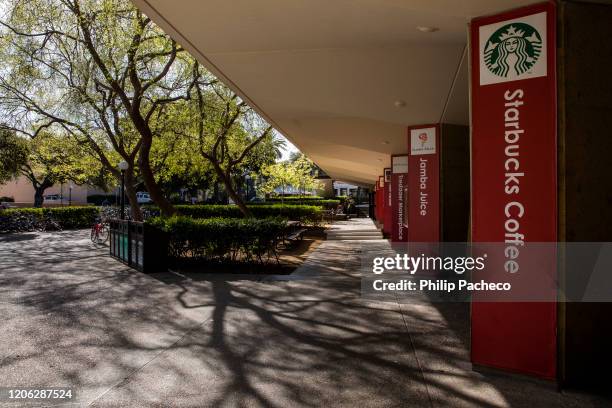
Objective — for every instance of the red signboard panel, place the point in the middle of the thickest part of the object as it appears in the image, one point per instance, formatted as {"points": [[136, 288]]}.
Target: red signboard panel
{"points": [[514, 190], [387, 202], [380, 191], [424, 183], [376, 200], [399, 198]]}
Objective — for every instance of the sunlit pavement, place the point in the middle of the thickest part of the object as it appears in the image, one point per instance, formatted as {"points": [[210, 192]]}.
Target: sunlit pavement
{"points": [[73, 317]]}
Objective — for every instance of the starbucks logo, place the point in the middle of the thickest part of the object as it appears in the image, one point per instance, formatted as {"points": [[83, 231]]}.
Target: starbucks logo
{"points": [[512, 50]]}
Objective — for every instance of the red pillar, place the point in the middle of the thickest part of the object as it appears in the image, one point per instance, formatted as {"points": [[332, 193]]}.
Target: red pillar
{"points": [[399, 198], [514, 184], [424, 183], [380, 215], [387, 201]]}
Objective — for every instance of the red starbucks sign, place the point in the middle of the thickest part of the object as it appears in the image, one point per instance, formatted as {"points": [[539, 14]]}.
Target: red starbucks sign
{"points": [[514, 176]]}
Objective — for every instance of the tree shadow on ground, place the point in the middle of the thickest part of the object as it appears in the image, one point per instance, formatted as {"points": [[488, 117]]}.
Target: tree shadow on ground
{"points": [[123, 338]]}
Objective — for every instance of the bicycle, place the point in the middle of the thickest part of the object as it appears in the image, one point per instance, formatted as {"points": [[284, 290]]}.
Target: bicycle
{"points": [[48, 224], [99, 231]]}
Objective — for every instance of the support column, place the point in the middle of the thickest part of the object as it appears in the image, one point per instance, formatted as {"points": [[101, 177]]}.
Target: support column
{"points": [[387, 201], [585, 182], [424, 181], [399, 198], [439, 179], [454, 183], [514, 179]]}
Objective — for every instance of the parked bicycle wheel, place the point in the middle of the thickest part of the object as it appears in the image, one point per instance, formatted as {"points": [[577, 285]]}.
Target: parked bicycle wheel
{"points": [[99, 233], [104, 233], [48, 224]]}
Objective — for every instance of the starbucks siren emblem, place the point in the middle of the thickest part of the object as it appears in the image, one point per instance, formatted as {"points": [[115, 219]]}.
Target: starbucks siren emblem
{"points": [[513, 50]]}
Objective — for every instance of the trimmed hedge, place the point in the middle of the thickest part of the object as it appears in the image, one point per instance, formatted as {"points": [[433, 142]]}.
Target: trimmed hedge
{"points": [[73, 217], [222, 239], [295, 198], [306, 214], [26, 219], [320, 202], [5, 199]]}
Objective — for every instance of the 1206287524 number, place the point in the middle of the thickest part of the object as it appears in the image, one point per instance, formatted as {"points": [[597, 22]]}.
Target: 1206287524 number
{"points": [[18, 393]]}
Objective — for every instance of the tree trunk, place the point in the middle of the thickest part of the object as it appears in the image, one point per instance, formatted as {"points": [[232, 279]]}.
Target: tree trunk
{"points": [[39, 190], [130, 192], [237, 199], [153, 188], [227, 182], [38, 196], [216, 191]]}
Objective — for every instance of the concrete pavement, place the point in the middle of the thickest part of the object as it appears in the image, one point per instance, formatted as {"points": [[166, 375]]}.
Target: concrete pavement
{"points": [[73, 317]]}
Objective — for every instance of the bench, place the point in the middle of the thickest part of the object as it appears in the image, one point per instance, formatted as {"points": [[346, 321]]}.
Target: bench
{"points": [[295, 235], [333, 215]]}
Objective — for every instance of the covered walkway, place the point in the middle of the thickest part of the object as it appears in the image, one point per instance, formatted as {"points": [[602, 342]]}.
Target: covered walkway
{"points": [[419, 97], [74, 317]]}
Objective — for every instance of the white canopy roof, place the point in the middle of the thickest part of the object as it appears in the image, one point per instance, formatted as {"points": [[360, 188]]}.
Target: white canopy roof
{"points": [[341, 79]]}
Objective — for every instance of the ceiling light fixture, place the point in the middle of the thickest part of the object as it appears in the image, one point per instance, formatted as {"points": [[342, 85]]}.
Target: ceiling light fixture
{"points": [[386, 142], [427, 29], [399, 103]]}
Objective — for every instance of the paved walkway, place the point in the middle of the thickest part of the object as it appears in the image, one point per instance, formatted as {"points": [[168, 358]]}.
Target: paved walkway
{"points": [[71, 316], [355, 229]]}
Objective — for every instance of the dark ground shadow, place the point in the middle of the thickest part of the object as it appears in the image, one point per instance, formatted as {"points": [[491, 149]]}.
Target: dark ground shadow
{"points": [[17, 237], [71, 315]]}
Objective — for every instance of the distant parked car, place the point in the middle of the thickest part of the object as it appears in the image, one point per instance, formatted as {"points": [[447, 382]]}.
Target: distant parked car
{"points": [[142, 197], [52, 198]]}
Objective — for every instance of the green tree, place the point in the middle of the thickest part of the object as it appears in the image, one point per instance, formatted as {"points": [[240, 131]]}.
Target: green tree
{"points": [[49, 159], [228, 131], [103, 73], [97, 70], [297, 172], [278, 176], [175, 159], [13, 155], [305, 173], [265, 153]]}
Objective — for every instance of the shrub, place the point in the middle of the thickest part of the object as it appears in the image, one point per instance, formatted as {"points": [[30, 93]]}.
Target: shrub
{"points": [[27, 219], [5, 199], [73, 217], [222, 239], [307, 214], [319, 202], [295, 198], [209, 211], [20, 219]]}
